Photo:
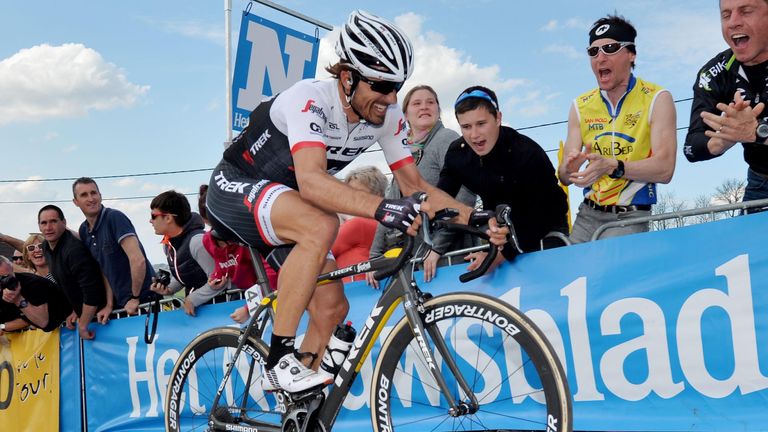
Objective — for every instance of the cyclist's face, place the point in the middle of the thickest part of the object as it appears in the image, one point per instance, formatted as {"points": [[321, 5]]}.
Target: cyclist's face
{"points": [[480, 129], [612, 71], [745, 29], [371, 104]]}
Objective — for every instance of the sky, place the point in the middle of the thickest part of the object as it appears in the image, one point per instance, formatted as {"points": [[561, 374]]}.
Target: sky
{"points": [[122, 88]]}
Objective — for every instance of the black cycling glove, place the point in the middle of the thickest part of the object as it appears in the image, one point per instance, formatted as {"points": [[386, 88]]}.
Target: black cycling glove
{"points": [[398, 213]]}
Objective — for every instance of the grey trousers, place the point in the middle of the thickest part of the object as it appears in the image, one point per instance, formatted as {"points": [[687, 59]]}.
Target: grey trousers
{"points": [[588, 220]]}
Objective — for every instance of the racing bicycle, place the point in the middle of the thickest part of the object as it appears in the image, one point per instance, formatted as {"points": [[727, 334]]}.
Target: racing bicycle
{"points": [[457, 361]]}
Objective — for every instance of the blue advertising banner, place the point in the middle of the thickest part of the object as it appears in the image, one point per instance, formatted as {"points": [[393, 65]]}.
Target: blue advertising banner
{"points": [[664, 331], [70, 407], [270, 58]]}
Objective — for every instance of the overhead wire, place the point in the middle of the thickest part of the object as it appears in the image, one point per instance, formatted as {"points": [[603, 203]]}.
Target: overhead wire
{"points": [[156, 173]]}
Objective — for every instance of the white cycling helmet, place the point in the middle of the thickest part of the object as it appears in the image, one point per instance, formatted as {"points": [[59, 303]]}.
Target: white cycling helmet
{"points": [[375, 47]]}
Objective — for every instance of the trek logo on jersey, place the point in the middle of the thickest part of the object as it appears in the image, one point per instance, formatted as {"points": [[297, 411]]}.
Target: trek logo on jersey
{"points": [[228, 186], [259, 143], [318, 111], [344, 151], [706, 76]]}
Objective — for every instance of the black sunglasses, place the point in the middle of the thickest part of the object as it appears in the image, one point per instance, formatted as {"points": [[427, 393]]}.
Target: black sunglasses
{"points": [[383, 87], [608, 49], [17, 258]]}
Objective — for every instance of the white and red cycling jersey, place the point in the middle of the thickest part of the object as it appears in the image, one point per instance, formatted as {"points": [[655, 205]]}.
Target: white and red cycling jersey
{"points": [[310, 114]]}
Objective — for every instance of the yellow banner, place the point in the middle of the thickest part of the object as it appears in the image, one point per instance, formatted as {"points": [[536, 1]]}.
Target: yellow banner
{"points": [[29, 381]]}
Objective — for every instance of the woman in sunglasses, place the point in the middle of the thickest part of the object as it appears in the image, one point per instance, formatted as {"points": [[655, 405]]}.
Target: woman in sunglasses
{"points": [[625, 132], [31, 256]]}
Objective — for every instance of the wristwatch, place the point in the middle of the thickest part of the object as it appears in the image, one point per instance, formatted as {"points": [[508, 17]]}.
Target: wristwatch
{"points": [[135, 297], [618, 172], [2, 327], [762, 130], [23, 304]]}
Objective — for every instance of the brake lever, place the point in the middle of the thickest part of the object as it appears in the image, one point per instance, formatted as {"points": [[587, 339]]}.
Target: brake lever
{"points": [[405, 254]]}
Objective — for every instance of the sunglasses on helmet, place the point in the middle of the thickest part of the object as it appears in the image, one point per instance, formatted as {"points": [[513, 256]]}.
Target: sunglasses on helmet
{"points": [[608, 49]]}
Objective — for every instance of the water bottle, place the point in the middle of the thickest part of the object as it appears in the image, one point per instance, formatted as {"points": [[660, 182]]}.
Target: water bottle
{"points": [[338, 348]]}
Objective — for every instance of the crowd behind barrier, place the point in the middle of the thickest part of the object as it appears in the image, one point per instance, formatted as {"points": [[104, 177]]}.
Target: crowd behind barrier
{"points": [[684, 341]]}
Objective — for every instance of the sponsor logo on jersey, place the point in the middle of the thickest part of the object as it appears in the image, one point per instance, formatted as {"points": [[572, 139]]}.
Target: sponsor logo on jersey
{"points": [[259, 143], [363, 137], [314, 109], [631, 119], [707, 75], [333, 126], [344, 151], [315, 128], [229, 186], [400, 126]]}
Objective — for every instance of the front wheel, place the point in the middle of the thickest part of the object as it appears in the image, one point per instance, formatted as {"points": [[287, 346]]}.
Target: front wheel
{"points": [[199, 373], [507, 363]]}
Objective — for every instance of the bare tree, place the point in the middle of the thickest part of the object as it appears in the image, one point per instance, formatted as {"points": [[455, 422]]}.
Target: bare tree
{"points": [[731, 191], [668, 203], [700, 202]]}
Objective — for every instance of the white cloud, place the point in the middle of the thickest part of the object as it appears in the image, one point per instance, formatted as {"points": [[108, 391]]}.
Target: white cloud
{"points": [[70, 149], [61, 81], [447, 70], [551, 25]]}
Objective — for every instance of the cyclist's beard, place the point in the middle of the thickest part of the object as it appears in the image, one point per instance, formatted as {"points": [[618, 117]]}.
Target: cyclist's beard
{"points": [[359, 109]]}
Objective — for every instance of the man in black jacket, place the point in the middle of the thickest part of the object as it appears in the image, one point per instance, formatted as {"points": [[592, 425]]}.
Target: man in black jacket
{"points": [[503, 167], [75, 270], [730, 92]]}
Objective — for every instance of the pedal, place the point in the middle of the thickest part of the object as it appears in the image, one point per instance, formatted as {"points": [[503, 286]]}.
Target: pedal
{"points": [[302, 416]]}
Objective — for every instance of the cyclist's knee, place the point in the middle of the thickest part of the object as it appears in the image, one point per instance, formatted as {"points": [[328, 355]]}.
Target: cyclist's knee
{"points": [[319, 232]]}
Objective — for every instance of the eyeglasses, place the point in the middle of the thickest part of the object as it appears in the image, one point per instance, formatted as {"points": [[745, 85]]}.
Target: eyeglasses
{"points": [[477, 93], [383, 87], [607, 49], [155, 215], [32, 247], [17, 258]]}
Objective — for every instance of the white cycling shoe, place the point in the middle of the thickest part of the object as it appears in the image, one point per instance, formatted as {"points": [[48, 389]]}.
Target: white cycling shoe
{"points": [[292, 376]]}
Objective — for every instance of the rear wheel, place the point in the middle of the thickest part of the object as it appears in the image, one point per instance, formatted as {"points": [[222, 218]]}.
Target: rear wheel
{"points": [[506, 361], [198, 374]]}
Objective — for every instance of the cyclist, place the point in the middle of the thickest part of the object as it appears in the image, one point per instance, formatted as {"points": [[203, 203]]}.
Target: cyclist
{"points": [[275, 183]]}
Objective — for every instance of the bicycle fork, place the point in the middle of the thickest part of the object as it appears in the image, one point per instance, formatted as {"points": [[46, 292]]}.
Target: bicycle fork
{"points": [[414, 309]]}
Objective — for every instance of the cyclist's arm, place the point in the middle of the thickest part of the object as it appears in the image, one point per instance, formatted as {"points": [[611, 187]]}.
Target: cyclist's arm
{"points": [[325, 191], [410, 181]]}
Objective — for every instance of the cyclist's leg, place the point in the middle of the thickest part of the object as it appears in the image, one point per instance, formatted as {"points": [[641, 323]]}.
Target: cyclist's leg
{"points": [[328, 307], [312, 230]]}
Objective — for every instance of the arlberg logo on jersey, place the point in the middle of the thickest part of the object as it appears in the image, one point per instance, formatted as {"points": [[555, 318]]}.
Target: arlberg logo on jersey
{"points": [[314, 109], [228, 186]]}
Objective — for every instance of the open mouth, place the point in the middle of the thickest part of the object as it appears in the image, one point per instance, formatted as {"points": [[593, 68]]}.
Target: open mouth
{"points": [[739, 40], [604, 73], [380, 108]]}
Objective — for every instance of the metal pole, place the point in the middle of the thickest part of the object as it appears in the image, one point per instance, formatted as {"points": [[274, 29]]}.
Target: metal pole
{"points": [[228, 67], [295, 14]]}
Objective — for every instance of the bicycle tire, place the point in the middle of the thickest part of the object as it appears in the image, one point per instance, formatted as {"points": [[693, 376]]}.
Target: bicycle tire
{"points": [[198, 374], [533, 394]]}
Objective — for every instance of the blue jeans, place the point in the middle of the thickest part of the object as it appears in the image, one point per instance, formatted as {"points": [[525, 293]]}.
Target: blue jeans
{"points": [[757, 189]]}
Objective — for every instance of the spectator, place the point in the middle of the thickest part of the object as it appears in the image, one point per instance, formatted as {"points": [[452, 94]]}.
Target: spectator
{"points": [[232, 261], [18, 259], [34, 258], [190, 264], [30, 299], [112, 240], [503, 167], [624, 129], [75, 270], [355, 236], [429, 141], [730, 92]]}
